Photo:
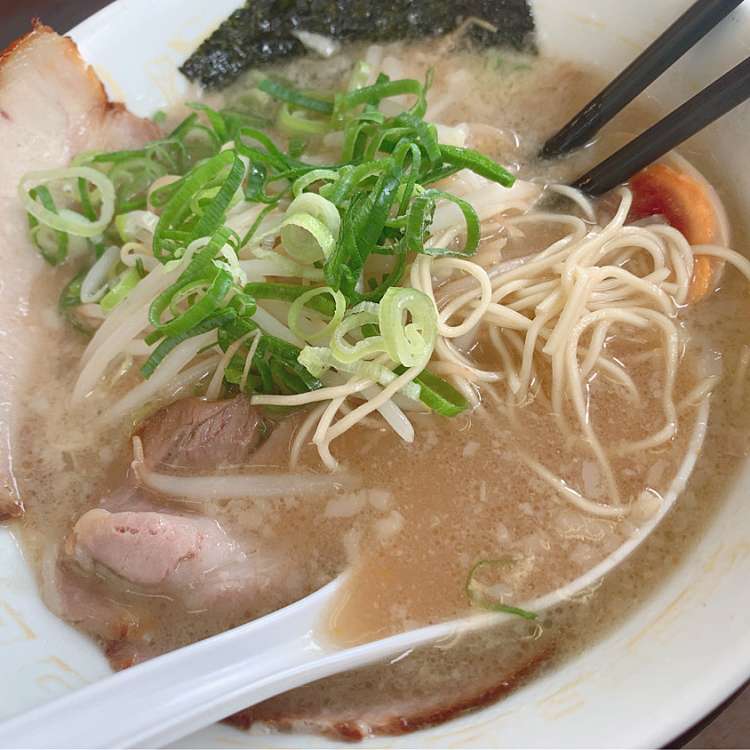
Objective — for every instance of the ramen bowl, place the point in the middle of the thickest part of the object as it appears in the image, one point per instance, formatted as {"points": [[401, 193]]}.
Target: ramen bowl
{"points": [[684, 649]]}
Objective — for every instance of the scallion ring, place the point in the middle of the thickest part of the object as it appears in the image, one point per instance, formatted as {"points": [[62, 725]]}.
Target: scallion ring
{"points": [[420, 217], [297, 124], [408, 342], [346, 352], [202, 308], [296, 309], [67, 220], [313, 176], [120, 289], [310, 228], [475, 590], [306, 239]]}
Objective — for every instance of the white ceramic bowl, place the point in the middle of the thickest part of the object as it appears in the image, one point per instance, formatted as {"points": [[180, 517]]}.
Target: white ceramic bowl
{"points": [[665, 667]]}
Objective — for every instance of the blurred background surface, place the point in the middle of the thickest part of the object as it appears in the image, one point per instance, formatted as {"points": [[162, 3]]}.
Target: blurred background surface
{"points": [[62, 15]]}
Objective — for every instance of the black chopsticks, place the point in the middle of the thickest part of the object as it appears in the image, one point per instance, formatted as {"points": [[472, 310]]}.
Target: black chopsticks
{"points": [[683, 34], [713, 102]]}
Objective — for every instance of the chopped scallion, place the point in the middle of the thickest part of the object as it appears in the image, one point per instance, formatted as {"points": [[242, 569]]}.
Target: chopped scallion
{"points": [[475, 591], [293, 96]]}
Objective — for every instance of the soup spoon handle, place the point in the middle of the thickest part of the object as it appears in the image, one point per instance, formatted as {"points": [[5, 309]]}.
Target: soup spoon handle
{"points": [[168, 697]]}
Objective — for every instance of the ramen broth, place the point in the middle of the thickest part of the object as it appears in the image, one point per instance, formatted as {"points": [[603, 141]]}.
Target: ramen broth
{"points": [[423, 514]]}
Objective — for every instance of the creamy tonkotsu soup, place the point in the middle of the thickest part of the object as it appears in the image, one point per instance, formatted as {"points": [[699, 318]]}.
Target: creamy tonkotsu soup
{"points": [[343, 319]]}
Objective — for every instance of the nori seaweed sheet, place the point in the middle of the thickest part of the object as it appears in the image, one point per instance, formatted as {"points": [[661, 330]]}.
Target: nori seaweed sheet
{"points": [[259, 32]]}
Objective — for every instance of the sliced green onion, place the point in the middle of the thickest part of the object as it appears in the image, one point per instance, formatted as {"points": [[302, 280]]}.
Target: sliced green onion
{"points": [[132, 180], [191, 289], [295, 97], [436, 175], [177, 209], [196, 275], [377, 92], [295, 311], [426, 134], [356, 136], [476, 595], [215, 212], [408, 342], [234, 330], [306, 238], [199, 310], [375, 199], [346, 352], [409, 187], [206, 195], [310, 228], [319, 207], [438, 394], [51, 243], [70, 299], [466, 158], [313, 176], [281, 265], [231, 264], [419, 220], [350, 179], [159, 197], [254, 228], [276, 362], [243, 303], [290, 293], [64, 219], [316, 359], [206, 250], [217, 121], [207, 198], [296, 124], [361, 230], [166, 346], [86, 205], [271, 154], [120, 290], [392, 278]]}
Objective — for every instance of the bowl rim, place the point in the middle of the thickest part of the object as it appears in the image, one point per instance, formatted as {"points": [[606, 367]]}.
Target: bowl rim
{"points": [[725, 682]]}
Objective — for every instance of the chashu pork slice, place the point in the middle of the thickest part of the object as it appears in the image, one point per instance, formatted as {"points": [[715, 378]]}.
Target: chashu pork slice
{"points": [[203, 436], [139, 544], [52, 107], [419, 689], [190, 558]]}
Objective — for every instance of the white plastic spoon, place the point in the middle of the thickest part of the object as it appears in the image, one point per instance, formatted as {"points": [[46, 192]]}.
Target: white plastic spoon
{"points": [[173, 695]]}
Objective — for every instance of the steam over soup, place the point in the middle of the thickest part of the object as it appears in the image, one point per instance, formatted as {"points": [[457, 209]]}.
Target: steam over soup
{"points": [[340, 318]]}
